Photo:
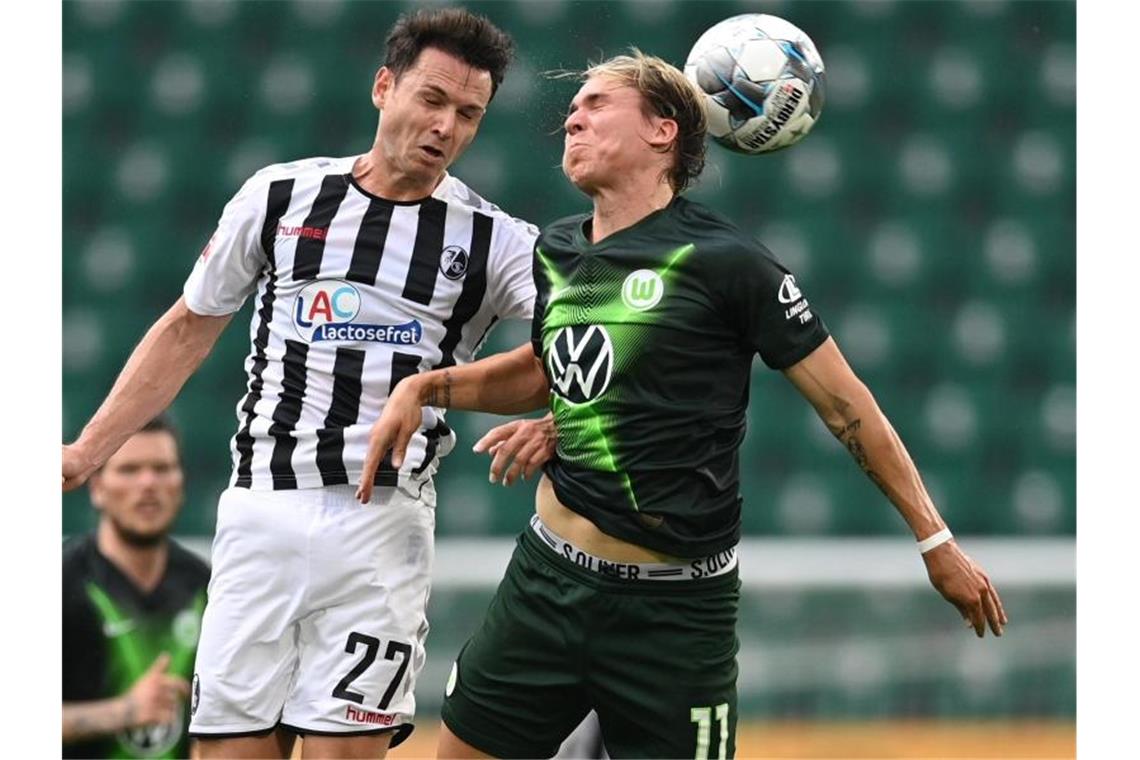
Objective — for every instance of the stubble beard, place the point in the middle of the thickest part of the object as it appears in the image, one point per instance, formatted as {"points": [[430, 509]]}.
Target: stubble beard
{"points": [[139, 539]]}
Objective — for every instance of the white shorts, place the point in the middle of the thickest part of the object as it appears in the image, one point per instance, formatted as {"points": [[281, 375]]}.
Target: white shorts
{"points": [[316, 616]]}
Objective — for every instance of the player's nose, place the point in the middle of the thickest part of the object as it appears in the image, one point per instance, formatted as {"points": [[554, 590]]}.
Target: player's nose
{"points": [[444, 125], [573, 123]]}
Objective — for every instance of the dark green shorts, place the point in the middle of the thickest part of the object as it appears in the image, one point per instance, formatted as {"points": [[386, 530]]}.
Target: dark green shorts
{"points": [[656, 659]]}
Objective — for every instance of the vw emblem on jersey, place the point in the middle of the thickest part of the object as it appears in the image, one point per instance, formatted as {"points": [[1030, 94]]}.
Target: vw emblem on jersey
{"points": [[453, 262], [789, 293], [642, 290], [581, 362], [327, 311]]}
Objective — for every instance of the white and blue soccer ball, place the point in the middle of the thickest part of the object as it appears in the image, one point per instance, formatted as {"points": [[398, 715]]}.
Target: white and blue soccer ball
{"points": [[763, 82]]}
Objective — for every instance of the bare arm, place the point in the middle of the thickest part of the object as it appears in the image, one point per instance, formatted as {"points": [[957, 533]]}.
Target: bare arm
{"points": [[508, 383], [153, 699], [849, 410], [168, 354], [851, 414], [87, 720]]}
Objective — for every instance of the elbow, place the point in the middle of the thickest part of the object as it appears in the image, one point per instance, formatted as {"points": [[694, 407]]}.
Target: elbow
{"points": [[847, 412], [194, 333]]}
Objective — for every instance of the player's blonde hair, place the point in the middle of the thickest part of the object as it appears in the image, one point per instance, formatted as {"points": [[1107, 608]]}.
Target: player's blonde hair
{"points": [[665, 92]]}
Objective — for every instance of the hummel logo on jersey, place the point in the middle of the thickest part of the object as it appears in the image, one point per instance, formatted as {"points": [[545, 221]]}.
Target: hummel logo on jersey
{"points": [[581, 362], [789, 293], [327, 310], [316, 233]]}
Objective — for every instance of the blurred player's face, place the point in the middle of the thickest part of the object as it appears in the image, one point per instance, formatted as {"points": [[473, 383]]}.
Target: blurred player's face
{"points": [[609, 138], [429, 114], [139, 490]]}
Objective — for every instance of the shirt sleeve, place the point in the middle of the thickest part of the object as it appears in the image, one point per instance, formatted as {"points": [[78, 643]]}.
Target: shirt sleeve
{"points": [[775, 316], [541, 298], [226, 272], [510, 284]]}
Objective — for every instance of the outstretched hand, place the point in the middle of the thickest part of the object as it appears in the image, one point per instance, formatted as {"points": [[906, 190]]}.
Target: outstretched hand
{"points": [[519, 448], [963, 583]]}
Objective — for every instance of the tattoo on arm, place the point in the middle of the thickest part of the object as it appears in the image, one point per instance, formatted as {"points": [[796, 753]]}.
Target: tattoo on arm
{"points": [[847, 436], [85, 720], [441, 396]]}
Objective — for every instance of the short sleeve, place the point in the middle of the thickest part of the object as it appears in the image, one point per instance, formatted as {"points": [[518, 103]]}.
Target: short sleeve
{"points": [[510, 284], [774, 315], [227, 270], [541, 298]]}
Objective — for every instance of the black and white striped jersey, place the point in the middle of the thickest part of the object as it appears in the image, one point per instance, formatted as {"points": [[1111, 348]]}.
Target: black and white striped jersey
{"points": [[353, 294]]}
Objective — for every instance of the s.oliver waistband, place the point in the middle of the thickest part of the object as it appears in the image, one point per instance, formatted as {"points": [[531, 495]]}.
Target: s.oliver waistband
{"points": [[688, 570]]}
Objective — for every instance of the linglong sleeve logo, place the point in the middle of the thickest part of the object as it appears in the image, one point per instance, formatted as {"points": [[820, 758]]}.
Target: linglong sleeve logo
{"points": [[581, 362]]}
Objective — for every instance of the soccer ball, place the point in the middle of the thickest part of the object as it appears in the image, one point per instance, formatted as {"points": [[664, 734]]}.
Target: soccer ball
{"points": [[763, 82]]}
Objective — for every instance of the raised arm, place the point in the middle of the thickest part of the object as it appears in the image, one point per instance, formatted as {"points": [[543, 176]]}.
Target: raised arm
{"points": [[851, 414], [512, 382], [168, 354]]}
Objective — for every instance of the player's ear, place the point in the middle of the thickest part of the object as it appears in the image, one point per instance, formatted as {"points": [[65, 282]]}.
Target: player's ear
{"points": [[662, 132], [382, 86]]}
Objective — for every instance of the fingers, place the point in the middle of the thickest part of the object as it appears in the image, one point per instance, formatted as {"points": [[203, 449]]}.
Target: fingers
{"points": [[527, 461], [377, 447], [176, 686], [503, 454], [977, 618], [994, 612], [516, 456], [495, 435], [997, 600], [160, 664]]}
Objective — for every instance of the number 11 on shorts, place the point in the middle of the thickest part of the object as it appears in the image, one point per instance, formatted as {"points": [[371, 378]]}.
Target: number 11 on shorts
{"points": [[702, 716]]}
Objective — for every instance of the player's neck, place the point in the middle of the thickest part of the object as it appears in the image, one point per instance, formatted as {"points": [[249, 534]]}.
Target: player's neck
{"points": [[143, 565], [618, 208], [379, 176]]}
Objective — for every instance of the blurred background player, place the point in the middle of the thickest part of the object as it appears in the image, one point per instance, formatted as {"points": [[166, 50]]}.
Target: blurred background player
{"points": [[132, 609], [368, 269]]}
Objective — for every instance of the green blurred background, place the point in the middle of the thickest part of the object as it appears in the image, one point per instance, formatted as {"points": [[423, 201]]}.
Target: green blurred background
{"points": [[930, 217]]}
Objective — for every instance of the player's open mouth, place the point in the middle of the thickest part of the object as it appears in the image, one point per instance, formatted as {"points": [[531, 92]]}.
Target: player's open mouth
{"points": [[433, 152]]}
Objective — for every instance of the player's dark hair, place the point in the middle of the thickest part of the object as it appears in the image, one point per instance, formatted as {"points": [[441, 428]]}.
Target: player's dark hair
{"points": [[665, 92], [162, 424], [468, 36]]}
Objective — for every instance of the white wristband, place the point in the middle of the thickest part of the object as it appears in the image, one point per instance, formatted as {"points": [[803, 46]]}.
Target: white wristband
{"points": [[934, 540]]}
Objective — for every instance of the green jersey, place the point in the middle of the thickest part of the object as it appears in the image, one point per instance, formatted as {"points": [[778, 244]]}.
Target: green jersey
{"points": [[112, 633], [647, 339]]}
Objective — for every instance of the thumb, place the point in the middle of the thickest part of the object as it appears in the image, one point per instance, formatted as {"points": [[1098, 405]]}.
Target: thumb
{"points": [[160, 664]]}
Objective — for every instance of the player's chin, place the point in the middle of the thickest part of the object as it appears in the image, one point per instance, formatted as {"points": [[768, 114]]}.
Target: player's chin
{"points": [[579, 176], [149, 528]]}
